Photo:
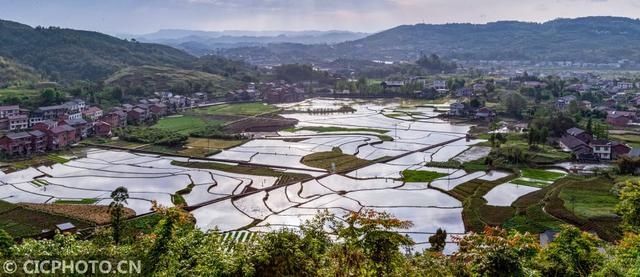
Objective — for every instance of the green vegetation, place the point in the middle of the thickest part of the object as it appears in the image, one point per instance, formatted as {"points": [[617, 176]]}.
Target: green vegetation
{"points": [[14, 74], [241, 109], [633, 140], [589, 201], [65, 54], [182, 124], [334, 161], [369, 239], [144, 79], [84, 201], [530, 183], [421, 175], [540, 174], [152, 136], [22, 222], [57, 159]]}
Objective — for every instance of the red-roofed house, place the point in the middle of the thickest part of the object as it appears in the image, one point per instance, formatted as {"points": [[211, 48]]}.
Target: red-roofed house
{"points": [[102, 128], [92, 113], [620, 118]]}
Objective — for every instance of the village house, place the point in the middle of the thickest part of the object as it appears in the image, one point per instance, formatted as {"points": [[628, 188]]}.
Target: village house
{"points": [[74, 108], [485, 114], [457, 109], [102, 129], [158, 109], [391, 85], [18, 122], [619, 149], [620, 118], [440, 86], [116, 118], [8, 111], [16, 144], [137, 115], [92, 113], [580, 134], [581, 150], [479, 88], [82, 127], [602, 149], [465, 92], [563, 103]]}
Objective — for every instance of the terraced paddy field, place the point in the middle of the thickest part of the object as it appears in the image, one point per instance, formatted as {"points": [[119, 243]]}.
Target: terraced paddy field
{"points": [[337, 162]]}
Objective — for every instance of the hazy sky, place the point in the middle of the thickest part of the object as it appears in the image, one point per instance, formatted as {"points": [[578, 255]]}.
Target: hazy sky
{"points": [[144, 16]]}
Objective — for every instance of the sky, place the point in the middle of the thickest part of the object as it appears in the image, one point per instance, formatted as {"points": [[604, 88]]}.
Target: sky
{"points": [[147, 16]]}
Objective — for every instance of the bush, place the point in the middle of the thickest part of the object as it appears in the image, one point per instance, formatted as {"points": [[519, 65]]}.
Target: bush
{"points": [[153, 136]]}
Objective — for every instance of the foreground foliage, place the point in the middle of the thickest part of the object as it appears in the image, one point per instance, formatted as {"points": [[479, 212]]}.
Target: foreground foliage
{"points": [[360, 244]]}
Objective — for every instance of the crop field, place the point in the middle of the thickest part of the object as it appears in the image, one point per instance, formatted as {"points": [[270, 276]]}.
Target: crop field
{"points": [[19, 221], [181, 124], [244, 109], [427, 172]]}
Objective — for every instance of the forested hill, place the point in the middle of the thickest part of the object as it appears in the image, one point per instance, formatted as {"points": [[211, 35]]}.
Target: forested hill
{"points": [[589, 39], [65, 54]]}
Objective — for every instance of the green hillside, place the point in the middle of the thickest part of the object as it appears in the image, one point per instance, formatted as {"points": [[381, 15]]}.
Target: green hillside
{"points": [[65, 54], [13, 74], [157, 78]]}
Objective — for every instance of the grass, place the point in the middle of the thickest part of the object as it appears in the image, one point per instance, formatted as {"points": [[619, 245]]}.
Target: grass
{"points": [[85, 201], [183, 124], [21, 222], [543, 154], [213, 143], [540, 174], [141, 225], [327, 160], [477, 165], [589, 201], [420, 175], [533, 220], [530, 183], [57, 159], [202, 147], [633, 140], [243, 109]]}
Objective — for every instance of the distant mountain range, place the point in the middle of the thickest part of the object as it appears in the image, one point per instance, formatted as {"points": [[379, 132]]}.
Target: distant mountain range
{"points": [[205, 42], [589, 39]]}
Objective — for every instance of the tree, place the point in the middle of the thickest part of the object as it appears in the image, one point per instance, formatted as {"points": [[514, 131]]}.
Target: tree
{"points": [[6, 241], [572, 253], [50, 96], [590, 125], [625, 258], [515, 103], [438, 240], [496, 252], [629, 205], [116, 208], [370, 244]]}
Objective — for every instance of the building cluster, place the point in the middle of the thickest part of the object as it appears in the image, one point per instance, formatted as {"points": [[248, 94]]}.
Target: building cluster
{"points": [[587, 149], [271, 92], [51, 128]]}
